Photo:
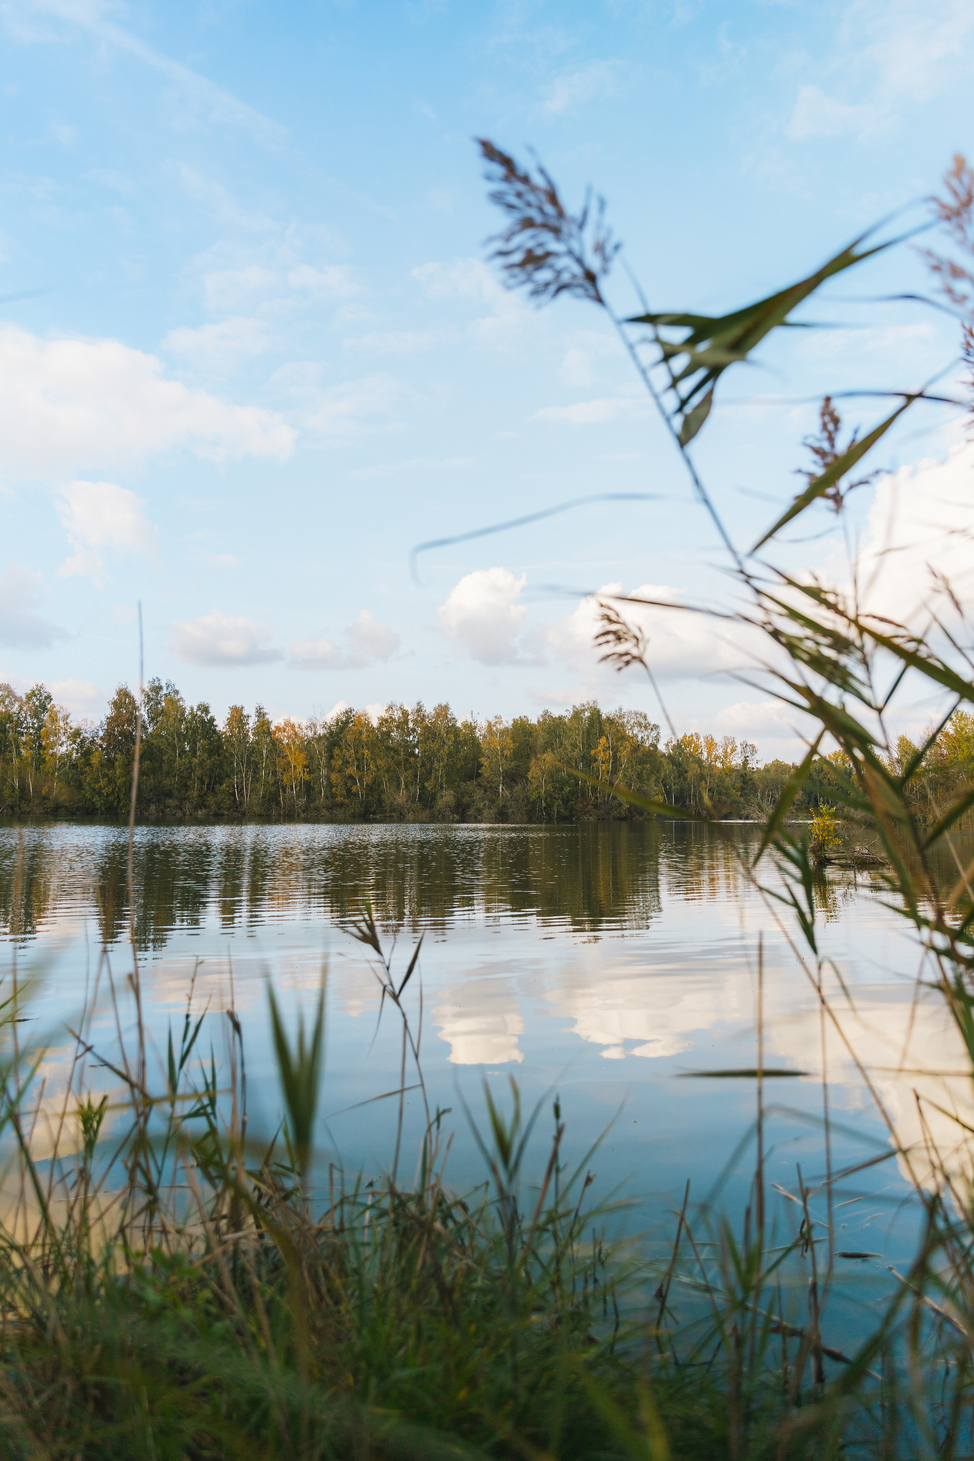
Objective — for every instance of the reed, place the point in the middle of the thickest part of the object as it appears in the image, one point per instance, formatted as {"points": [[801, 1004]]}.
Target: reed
{"points": [[847, 670]]}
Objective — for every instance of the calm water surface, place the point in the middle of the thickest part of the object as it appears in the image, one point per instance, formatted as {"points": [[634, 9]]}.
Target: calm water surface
{"points": [[605, 962]]}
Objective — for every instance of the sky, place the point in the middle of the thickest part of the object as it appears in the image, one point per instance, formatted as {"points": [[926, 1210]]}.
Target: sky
{"points": [[252, 351]]}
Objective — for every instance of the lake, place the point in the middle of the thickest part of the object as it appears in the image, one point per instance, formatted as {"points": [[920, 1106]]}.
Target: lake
{"points": [[607, 963]]}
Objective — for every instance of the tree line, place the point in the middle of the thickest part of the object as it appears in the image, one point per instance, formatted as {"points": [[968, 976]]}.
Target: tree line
{"points": [[406, 764]]}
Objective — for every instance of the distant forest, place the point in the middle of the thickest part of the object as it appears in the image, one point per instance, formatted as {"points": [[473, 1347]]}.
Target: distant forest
{"points": [[408, 765]]}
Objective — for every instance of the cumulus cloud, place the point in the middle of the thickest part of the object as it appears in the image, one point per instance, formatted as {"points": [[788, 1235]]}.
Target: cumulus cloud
{"points": [[775, 727], [102, 515], [682, 645], [921, 522], [220, 639], [21, 627], [68, 404], [482, 616], [374, 711], [81, 697], [367, 642]]}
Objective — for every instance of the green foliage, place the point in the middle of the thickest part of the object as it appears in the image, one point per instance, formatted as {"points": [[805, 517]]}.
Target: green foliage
{"points": [[407, 765]]}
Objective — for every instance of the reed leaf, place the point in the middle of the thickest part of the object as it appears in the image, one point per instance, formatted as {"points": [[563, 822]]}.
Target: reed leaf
{"points": [[299, 1070]]}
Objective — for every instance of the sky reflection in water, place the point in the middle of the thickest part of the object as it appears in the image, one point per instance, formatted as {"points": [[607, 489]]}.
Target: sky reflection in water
{"points": [[604, 961]]}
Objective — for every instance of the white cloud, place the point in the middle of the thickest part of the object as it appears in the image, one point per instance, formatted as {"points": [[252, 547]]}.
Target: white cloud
{"points": [[33, 21], [220, 639], [472, 279], [108, 178], [232, 289], [221, 203], [395, 342], [921, 520], [370, 403], [885, 53], [482, 615], [81, 697], [819, 115], [334, 281], [374, 711], [576, 368], [316, 653], [749, 719], [596, 412], [463, 279], [21, 627], [103, 515], [596, 81], [367, 642], [682, 644], [245, 277], [67, 405], [221, 345]]}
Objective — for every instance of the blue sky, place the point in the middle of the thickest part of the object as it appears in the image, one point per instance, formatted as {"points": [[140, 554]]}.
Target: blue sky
{"points": [[251, 351]]}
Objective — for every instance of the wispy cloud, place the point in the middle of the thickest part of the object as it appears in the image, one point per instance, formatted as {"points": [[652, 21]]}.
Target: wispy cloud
{"points": [[39, 21], [595, 81], [368, 404], [885, 53], [219, 346], [595, 412]]}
